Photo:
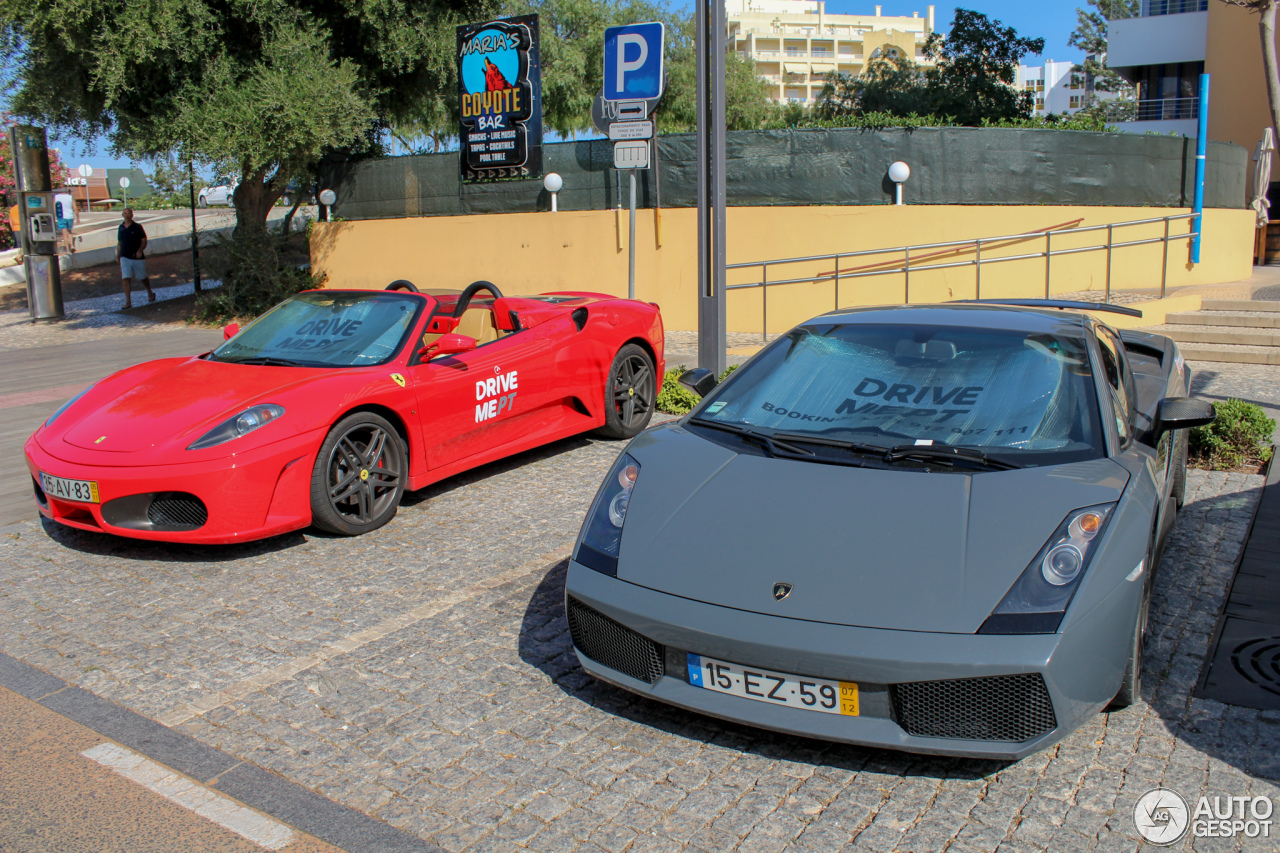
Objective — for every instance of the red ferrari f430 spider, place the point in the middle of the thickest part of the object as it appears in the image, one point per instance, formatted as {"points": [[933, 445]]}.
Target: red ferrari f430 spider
{"points": [[325, 409]]}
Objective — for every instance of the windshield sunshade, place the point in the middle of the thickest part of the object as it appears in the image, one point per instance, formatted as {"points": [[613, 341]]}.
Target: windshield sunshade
{"points": [[998, 390], [326, 330]]}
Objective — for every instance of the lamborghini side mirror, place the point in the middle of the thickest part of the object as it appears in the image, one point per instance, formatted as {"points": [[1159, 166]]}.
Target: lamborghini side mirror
{"points": [[1183, 413], [230, 330], [448, 345], [699, 380]]}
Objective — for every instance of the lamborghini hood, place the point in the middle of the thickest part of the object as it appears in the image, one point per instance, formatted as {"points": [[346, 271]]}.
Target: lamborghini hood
{"points": [[154, 403], [898, 548]]}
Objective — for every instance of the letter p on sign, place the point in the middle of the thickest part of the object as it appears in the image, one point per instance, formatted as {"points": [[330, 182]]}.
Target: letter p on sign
{"points": [[633, 62]]}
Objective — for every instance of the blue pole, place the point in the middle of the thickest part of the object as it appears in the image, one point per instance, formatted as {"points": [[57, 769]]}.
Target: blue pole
{"points": [[1202, 141]]}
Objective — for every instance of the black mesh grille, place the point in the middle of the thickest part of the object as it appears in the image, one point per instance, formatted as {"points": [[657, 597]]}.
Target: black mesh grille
{"points": [[1004, 707], [177, 511], [614, 645]]}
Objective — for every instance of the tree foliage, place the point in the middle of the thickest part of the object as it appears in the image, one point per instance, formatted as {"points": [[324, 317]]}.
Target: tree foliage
{"points": [[1090, 36], [971, 83], [259, 90]]}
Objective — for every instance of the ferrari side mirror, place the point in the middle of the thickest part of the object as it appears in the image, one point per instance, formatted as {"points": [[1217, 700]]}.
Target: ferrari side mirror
{"points": [[448, 345], [1183, 413], [230, 330], [699, 380]]}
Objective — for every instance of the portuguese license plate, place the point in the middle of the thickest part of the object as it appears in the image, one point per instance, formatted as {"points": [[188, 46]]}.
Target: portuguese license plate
{"points": [[85, 491], [780, 688]]}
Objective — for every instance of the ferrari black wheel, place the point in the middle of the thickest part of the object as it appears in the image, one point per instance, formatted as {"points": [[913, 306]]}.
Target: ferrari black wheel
{"points": [[630, 393], [359, 475]]}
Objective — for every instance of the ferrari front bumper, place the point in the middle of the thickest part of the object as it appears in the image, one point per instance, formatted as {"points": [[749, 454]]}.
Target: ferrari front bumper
{"points": [[904, 676], [262, 492]]}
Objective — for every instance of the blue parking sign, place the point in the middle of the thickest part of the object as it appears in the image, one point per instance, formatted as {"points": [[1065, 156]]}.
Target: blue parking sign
{"points": [[633, 62]]}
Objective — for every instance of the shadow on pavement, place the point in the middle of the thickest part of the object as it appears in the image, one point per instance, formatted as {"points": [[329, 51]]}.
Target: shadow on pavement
{"points": [[545, 644], [1190, 593], [108, 545]]}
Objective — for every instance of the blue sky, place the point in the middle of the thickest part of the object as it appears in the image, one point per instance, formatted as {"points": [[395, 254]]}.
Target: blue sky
{"points": [[1052, 20]]}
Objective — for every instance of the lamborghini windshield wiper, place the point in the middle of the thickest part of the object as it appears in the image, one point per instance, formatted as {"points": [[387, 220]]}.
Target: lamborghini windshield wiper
{"points": [[824, 441], [947, 454], [769, 442]]}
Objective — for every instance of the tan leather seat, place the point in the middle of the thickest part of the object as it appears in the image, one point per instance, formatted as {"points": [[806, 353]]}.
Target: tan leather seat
{"points": [[478, 323], [475, 323]]}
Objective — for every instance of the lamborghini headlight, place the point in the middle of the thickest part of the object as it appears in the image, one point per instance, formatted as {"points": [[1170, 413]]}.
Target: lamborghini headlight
{"points": [[242, 424], [1039, 598], [602, 531]]}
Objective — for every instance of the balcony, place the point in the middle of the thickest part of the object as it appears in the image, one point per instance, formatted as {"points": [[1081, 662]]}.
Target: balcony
{"points": [[1156, 109], [1151, 8]]}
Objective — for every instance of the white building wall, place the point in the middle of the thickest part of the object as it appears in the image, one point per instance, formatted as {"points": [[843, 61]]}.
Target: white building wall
{"points": [[1157, 39]]}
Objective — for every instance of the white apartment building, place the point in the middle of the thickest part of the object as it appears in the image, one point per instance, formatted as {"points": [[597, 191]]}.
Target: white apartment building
{"points": [[1162, 52], [1056, 90], [795, 43]]}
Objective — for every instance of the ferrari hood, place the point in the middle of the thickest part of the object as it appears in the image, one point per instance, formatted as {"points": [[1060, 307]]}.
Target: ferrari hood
{"points": [[159, 401], [898, 548]]}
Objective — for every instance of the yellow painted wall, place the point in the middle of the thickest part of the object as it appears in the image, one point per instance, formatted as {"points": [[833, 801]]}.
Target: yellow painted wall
{"points": [[1238, 107], [525, 253]]}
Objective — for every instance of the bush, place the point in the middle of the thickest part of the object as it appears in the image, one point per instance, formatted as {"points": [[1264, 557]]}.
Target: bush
{"points": [[676, 399], [1239, 438], [254, 278]]}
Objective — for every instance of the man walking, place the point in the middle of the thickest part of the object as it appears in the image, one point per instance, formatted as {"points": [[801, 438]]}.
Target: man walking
{"points": [[131, 243]]}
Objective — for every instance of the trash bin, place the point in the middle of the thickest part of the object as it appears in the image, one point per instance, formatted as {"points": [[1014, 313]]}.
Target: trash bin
{"points": [[44, 290]]}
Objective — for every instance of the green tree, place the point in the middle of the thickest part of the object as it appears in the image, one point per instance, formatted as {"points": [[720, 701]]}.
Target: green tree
{"points": [[259, 90], [977, 64], [1090, 36], [889, 84]]}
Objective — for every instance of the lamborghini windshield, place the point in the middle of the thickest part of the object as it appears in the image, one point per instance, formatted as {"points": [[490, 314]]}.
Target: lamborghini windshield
{"points": [[1012, 394], [326, 329]]}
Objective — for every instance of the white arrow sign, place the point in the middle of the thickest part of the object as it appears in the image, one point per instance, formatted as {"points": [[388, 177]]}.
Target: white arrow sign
{"points": [[631, 130], [631, 155]]}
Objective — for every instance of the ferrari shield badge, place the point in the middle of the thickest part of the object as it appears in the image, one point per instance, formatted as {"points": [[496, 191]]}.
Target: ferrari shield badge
{"points": [[399, 380], [781, 591]]}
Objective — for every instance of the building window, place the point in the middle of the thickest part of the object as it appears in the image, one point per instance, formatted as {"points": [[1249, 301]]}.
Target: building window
{"points": [[1076, 82], [1039, 85], [1075, 102], [1039, 103]]}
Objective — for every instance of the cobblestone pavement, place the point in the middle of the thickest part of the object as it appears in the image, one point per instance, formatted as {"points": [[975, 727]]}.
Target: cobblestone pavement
{"points": [[87, 319], [1253, 383], [423, 674]]}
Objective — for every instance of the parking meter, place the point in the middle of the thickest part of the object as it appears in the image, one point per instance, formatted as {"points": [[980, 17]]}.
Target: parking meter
{"points": [[38, 224]]}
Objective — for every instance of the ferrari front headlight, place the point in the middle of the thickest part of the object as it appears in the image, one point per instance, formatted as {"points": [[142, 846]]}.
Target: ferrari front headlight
{"points": [[1038, 599], [246, 422], [67, 405]]}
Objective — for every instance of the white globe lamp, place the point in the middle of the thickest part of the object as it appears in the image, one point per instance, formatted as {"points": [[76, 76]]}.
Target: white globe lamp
{"points": [[553, 182], [898, 173]]}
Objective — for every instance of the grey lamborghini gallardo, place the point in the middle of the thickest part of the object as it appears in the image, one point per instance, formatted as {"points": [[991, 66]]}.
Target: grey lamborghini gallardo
{"points": [[930, 528]]}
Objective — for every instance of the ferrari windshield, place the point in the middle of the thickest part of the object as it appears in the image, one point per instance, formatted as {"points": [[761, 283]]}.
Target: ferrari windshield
{"points": [[326, 329], [998, 390]]}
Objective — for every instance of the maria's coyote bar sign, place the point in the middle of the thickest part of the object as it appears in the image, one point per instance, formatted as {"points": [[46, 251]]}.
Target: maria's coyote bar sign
{"points": [[500, 100]]}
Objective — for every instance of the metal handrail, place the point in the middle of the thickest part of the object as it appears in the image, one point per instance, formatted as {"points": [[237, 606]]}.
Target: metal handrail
{"points": [[906, 265]]}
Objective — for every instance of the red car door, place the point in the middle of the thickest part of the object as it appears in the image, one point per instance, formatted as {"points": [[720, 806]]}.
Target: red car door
{"points": [[476, 402]]}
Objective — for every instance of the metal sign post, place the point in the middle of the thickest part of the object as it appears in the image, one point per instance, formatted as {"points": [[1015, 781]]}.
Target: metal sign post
{"points": [[634, 80], [710, 40]]}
